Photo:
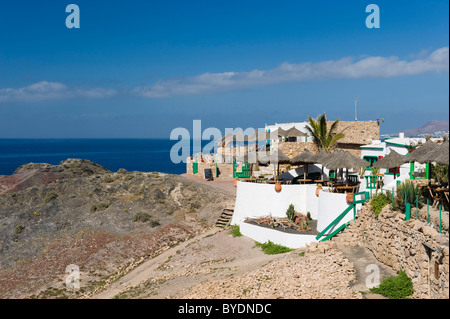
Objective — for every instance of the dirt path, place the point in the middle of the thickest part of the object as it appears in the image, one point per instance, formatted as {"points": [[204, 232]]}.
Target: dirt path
{"points": [[226, 184], [366, 265], [212, 255]]}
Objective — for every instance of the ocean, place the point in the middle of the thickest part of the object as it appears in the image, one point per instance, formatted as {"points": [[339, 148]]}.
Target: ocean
{"points": [[145, 155]]}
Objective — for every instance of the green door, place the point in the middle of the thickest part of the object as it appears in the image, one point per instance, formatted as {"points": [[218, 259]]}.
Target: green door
{"points": [[195, 167], [246, 170]]}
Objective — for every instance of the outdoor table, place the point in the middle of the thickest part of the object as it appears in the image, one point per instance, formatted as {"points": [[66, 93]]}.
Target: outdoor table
{"points": [[344, 189], [304, 180], [281, 181], [443, 194]]}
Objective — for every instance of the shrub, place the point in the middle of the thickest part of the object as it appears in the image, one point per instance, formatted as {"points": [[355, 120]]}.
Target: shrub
{"points": [[50, 196], [235, 231], [440, 173], [398, 287], [142, 217], [270, 248], [19, 229], [154, 223], [290, 213], [411, 192], [378, 202], [99, 207]]}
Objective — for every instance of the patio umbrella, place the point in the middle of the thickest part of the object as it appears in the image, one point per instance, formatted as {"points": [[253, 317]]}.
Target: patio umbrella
{"points": [[439, 154], [279, 132], [304, 159], [321, 158], [275, 158], [443, 158], [230, 137], [259, 136], [293, 132], [392, 160], [419, 154], [343, 159]]}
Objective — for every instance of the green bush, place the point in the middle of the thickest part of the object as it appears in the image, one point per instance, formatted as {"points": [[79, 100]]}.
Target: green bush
{"points": [[235, 231], [398, 287], [142, 217], [270, 248], [19, 229], [290, 213], [99, 207], [378, 202], [439, 173], [50, 196]]}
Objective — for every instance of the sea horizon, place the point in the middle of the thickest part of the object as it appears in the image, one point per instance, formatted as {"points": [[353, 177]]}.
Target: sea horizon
{"points": [[132, 154]]}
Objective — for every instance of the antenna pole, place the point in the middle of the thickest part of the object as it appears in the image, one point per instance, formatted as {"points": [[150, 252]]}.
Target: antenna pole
{"points": [[356, 100]]}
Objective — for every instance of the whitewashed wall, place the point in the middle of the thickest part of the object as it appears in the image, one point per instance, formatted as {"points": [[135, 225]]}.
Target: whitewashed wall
{"points": [[330, 206], [255, 200], [262, 235]]}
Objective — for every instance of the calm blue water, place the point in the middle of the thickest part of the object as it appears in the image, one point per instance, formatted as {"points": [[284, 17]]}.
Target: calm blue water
{"points": [[146, 155]]}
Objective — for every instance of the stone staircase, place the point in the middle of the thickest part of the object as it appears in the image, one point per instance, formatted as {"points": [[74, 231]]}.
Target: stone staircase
{"points": [[225, 218]]}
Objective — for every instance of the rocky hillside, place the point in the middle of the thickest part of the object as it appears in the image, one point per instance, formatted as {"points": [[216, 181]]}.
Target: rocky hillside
{"points": [[429, 128], [104, 222]]}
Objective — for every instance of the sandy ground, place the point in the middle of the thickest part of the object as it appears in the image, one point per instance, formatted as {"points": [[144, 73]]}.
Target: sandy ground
{"points": [[213, 255], [226, 184], [202, 266]]}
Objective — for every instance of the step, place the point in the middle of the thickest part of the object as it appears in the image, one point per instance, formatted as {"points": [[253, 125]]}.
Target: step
{"points": [[225, 218]]}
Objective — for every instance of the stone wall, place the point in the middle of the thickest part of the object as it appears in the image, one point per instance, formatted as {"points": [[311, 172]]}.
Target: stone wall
{"points": [[295, 148], [399, 244], [292, 149], [225, 170], [357, 132]]}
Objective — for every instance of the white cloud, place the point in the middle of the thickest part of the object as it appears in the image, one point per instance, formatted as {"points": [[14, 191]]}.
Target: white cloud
{"points": [[44, 90], [346, 68]]}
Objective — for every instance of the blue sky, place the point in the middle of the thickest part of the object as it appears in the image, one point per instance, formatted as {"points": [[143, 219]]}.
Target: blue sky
{"points": [[142, 68]]}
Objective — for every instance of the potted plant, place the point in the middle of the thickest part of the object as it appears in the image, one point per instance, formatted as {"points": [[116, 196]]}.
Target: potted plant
{"points": [[318, 189]]}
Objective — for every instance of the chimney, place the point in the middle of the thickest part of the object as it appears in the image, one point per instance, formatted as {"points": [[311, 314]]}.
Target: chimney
{"points": [[401, 135]]}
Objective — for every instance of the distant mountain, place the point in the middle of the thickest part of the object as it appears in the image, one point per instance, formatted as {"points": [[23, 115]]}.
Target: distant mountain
{"points": [[431, 127]]}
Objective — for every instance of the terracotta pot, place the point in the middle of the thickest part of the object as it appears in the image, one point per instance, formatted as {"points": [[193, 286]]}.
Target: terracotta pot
{"points": [[317, 191], [349, 198], [235, 182], [278, 187]]}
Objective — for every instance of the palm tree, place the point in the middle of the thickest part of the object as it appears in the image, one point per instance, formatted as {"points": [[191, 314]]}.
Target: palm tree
{"points": [[324, 138]]}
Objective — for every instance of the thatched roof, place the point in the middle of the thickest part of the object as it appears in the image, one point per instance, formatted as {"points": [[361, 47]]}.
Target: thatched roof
{"points": [[293, 131], [303, 158], [418, 155], [321, 157], [275, 158], [343, 159], [279, 132], [393, 159], [259, 136], [230, 137], [439, 154]]}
